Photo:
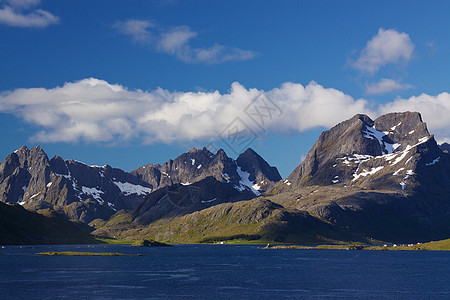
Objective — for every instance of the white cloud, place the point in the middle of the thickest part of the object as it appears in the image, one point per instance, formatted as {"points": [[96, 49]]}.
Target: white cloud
{"points": [[306, 107], [94, 110], [386, 86], [137, 29], [176, 41], [14, 16], [435, 111], [387, 47]]}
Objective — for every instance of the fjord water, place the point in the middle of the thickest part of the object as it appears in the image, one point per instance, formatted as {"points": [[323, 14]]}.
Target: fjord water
{"points": [[222, 271]]}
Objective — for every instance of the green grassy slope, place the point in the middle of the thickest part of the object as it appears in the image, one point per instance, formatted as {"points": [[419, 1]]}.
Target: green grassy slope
{"points": [[253, 221]]}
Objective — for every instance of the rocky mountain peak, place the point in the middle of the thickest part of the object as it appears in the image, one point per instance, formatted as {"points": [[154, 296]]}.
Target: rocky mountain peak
{"points": [[404, 128], [193, 150], [220, 154], [354, 149], [24, 150], [260, 171], [365, 119]]}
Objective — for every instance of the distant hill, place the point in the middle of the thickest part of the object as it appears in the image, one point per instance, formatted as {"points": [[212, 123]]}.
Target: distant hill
{"points": [[20, 226]]}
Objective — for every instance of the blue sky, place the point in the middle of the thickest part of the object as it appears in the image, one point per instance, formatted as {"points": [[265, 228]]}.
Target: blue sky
{"points": [[134, 82]]}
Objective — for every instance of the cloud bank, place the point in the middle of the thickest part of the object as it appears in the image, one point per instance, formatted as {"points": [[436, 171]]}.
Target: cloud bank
{"points": [[13, 14], [176, 41], [94, 110]]}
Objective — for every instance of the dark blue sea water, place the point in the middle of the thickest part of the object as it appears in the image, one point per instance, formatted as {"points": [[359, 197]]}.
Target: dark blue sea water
{"points": [[223, 272]]}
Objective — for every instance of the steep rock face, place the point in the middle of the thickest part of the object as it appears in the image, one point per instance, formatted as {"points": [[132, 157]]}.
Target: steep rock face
{"points": [[258, 169], [386, 178], [79, 191], [20, 169], [249, 172]]}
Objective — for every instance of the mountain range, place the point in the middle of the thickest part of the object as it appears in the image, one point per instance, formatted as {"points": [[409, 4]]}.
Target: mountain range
{"points": [[92, 194], [363, 180]]}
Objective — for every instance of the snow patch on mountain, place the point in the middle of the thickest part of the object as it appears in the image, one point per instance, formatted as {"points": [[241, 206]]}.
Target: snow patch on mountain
{"points": [[209, 201], [372, 133], [94, 192], [403, 183], [365, 173], [354, 158], [398, 171], [393, 128], [112, 206], [128, 188], [245, 182]]}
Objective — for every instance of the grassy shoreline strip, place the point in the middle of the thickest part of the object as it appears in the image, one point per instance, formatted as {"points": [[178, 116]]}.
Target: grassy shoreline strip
{"points": [[443, 245]]}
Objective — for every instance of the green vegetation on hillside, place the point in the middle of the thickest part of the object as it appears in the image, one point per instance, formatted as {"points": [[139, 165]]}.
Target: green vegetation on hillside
{"points": [[254, 221]]}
